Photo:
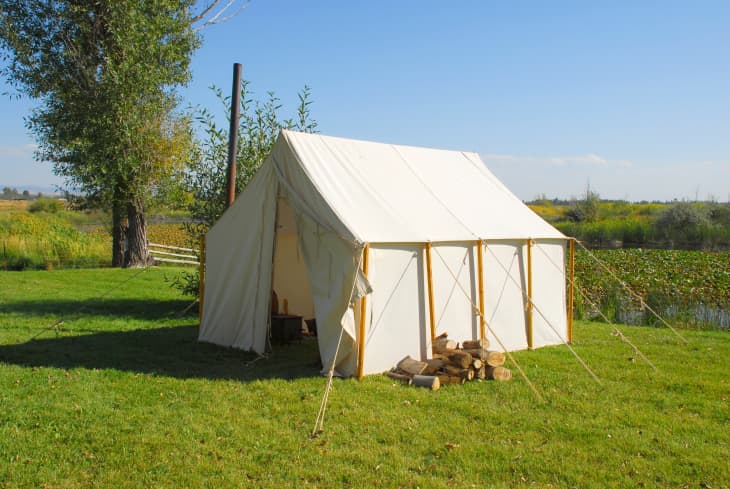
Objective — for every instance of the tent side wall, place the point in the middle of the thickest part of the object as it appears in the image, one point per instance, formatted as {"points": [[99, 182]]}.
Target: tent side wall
{"points": [[238, 263], [550, 317], [397, 319]]}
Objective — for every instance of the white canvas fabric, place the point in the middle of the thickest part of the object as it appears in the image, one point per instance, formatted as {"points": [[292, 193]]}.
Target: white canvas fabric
{"points": [[316, 202], [238, 268]]}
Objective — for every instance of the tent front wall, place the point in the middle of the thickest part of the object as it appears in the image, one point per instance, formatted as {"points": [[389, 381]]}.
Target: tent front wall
{"points": [[239, 254], [398, 319]]}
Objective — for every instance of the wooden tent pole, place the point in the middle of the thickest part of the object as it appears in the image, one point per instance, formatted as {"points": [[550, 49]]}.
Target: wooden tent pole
{"points": [[480, 271], [429, 276], [529, 295], [363, 317], [201, 280], [571, 286]]}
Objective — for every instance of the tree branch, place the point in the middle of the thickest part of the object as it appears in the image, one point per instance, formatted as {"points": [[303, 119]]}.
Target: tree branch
{"points": [[213, 13]]}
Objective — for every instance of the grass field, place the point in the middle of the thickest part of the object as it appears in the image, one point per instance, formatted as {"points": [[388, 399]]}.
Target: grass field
{"points": [[121, 395], [68, 239]]}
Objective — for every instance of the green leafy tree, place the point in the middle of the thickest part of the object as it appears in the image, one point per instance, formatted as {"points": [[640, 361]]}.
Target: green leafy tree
{"points": [[105, 75], [205, 176], [259, 125]]}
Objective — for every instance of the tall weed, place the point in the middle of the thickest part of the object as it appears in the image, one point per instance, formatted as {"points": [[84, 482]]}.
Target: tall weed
{"points": [[46, 241]]}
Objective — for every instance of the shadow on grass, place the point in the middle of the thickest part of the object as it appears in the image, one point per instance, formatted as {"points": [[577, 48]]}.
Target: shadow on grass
{"points": [[149, 309], [171, 351]]}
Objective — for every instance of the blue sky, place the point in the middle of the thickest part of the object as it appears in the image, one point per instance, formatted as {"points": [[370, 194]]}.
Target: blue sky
{"points": [[633, 97]]}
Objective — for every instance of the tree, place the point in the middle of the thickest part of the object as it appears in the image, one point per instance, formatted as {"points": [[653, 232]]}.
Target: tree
{"points": [[205, 176], [105, 74], [259, 126], [585, 209]]}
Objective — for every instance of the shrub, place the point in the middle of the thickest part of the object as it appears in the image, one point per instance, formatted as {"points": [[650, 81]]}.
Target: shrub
{"points": [[46, 204], [683, 222], [585, 209]]}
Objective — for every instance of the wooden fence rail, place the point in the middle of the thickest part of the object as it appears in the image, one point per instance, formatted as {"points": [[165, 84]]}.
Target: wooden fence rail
{"points": [[190, 258]]}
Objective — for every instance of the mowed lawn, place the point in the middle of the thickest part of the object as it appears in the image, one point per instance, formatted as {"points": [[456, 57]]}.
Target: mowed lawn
{"points": [[122, 395]]}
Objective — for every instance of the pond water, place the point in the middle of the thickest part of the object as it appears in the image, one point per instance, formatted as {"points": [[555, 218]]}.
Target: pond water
{"points": [[699, 315]]}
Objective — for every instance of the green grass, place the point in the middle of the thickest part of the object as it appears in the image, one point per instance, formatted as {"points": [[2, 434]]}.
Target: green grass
{"points": [[122, 395]]}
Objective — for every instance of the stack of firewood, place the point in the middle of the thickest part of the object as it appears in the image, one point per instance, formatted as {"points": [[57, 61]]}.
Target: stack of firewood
{"points": [[453, 364]]}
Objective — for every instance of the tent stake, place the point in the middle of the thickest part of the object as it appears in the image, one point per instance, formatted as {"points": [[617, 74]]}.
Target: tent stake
{"points": [[480, 266], [529, 295], [363, 316], [429, 275]]}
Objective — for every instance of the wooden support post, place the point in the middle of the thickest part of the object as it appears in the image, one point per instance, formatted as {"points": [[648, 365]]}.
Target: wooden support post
{"points": [[571, 286], [201, 279], [480, 271], [363, 317], [429, 277], [529, 295]]}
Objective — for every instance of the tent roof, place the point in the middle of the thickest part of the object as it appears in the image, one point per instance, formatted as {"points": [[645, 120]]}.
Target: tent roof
{"points": [[391, 193]]}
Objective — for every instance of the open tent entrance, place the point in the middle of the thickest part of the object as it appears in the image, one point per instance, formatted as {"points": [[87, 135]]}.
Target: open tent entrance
{"points": [[290, 281]]}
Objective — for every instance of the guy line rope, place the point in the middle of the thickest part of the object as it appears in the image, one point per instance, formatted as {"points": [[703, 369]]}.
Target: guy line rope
{"points": [[630, 291], [547, 321], [489, 328], [319, 421], [56, 325], [615, 328]]}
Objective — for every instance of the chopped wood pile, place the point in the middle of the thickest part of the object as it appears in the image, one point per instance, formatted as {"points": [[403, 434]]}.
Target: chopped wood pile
{"points": [[452, 364]]}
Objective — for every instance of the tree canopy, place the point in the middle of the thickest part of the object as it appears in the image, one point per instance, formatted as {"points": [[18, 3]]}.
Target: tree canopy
{"points": [[105, 74]]}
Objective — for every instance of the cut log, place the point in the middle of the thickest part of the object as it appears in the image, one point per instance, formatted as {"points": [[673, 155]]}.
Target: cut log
{"points": [[459, 358], [476, 363], [475, 344], [450, 379], [440, 345], [479, 353], [429, 381], [452, 370], [498, 373], [411, 366], [433, 364], [406, 379], [481, 373], [492, 358]]}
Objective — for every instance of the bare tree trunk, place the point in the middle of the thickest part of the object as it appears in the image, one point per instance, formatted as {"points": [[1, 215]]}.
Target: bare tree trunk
{"points": [[137, 255], [119, 230]]}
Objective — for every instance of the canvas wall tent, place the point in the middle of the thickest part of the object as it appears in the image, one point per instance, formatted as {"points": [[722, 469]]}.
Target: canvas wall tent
{"points": [[319, 205]]}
